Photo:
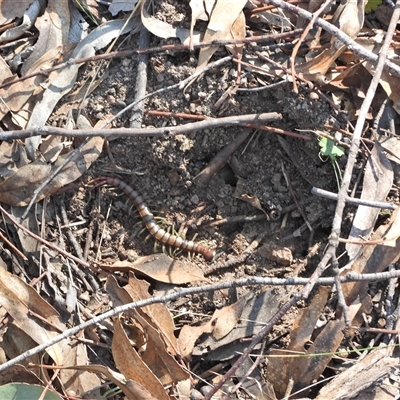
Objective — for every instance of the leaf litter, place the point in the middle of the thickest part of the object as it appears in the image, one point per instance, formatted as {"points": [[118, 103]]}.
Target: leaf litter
{"points": [[179, 348]]}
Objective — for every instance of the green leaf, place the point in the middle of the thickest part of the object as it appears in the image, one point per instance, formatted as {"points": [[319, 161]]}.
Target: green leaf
{"points": [[372, 5], [23, 391], [330, 149]]}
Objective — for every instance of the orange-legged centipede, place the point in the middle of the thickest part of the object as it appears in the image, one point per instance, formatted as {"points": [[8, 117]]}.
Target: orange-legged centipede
{"points": [[155, 230]]}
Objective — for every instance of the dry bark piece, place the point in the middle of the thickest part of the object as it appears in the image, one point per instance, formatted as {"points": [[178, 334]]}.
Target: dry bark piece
{"points": [[274, 252], [370, 372], [378, 180]]}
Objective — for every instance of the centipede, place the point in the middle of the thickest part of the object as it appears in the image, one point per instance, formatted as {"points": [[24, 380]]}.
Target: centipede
{"points": [[155, 230]]}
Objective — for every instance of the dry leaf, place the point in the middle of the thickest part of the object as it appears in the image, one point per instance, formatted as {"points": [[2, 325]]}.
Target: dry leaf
{"points": [[350, 21], [160, 267], [252, 200], [121, 6], [53, 27], [156, 314], [130, 389], [164, 30], [18, 298], [156, 354], [223, 16], [11, 9], [252, 308], [62, 81], [131, 365], [35, 8], [305, 370], [224, 320], [18, 189]]}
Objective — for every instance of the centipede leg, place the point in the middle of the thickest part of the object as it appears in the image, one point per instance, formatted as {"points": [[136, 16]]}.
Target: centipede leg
{"points": [[150, 222]]}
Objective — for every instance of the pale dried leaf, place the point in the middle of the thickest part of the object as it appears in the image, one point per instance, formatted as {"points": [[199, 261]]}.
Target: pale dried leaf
{"points": [[53, 27], [18, 298], [132, 366], [223, 16], [198, 12], [251, 309], [62, 81], [11, 9], [161, 268], [15, 342], [20, 92], [156, 314], [78, 381], [188, 337], [19, 188], [281, 369], [164, 30], [29, 17], [238, 31], [30, 246], [392, 145], [118, 379], [350, 21], [121, 6], [156, 356], [225, 319], [9, 153], [242, 195]]}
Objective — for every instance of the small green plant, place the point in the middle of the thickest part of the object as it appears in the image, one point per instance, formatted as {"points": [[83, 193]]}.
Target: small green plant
{"points": [[331, 150], [372, 5]]}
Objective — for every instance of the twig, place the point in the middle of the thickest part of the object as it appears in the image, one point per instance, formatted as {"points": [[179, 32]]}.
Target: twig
{"points": [[135, 120], [315, 15], [220, 159], [162, 49], [208, 123], [13, 247], [87, 273], [180, 85], [350, 44], [53, 175], [43, 241], [253, 281], [352, 200], [355, 143]]}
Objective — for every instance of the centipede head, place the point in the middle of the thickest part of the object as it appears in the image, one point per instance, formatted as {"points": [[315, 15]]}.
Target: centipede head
{"points": [[208, 254]]}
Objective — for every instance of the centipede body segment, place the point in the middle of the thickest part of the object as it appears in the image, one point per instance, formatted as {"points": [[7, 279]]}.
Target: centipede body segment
{"points": [[155, 230]]}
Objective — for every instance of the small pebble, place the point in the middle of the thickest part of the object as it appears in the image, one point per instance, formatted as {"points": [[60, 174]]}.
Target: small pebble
{"points": [[111, 99], [194, 199]]}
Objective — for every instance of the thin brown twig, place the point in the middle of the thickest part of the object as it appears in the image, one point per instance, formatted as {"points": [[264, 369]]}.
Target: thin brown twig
{"points": [[310, 25], [220, 159], [12, 247], [208, 123], [333, 30], [161, 49], [45, 242]]}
